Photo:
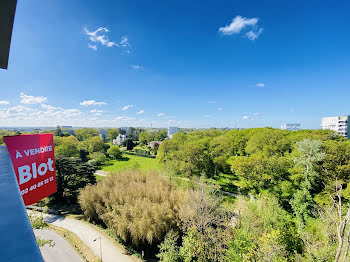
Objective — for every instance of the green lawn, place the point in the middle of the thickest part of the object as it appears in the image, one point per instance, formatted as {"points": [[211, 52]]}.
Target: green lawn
{"points": [[131, 162]]}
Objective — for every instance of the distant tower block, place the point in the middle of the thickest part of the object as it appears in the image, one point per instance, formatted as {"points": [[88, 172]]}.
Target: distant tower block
{"points": [[339, 124], [172, 130], [290, 126]]}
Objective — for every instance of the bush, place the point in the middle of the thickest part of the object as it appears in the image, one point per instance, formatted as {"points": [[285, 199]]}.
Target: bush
{"points": [[98, 158], [115, 152], [140, 208]]}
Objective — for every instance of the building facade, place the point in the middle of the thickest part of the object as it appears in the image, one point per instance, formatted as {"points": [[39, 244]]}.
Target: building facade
{"points": [[290, 126], [339, 124], [172, 130], [119, 140]]}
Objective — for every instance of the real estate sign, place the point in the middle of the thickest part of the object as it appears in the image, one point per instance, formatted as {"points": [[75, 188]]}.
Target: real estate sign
{"points": [[33, 160]]}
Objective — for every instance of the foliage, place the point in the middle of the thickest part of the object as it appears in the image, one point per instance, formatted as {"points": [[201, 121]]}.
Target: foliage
{"points": [[263, 231], [112, 133], [138, 207], [128, 143], [85, 133], [71, 175], [169, 251], [66, 146], [97, 158], [93, 144], [133, 133], [37, 221], [114, 152], [58, 131]]}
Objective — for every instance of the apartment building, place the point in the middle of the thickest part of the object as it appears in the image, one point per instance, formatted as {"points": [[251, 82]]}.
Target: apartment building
{"points": [[339, 124]]}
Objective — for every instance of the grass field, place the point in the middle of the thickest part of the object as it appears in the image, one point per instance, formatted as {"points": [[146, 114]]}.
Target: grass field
{"points": [[131, 162]]}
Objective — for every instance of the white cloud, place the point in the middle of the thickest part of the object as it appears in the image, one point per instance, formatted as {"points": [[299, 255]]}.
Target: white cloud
{"points": [[254, 35], [127, 107], [124, 42], [220, 109], [92, 103], [161, 114], [260, 85], [3, 102], [17, 110], [245, 117], [239, 23], [256, 114], [137, 67], [207, 116], [93, 47], [211, 102], [96, 111], [99, 36], [141, 112], [124, 118], [25, 99], [49, 107]]}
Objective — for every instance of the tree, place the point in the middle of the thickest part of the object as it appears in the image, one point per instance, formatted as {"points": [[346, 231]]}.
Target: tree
{"points": [[205, 223], [146, 137], [98, 158], [128, 143], [85, 133], [133, 133], [58, 131], [168, 249], [112, 133], [115, 152], [71, 175], [263, 231], [342, 222], [66, 146], [93, 144], [309, 153], [161, 135]]}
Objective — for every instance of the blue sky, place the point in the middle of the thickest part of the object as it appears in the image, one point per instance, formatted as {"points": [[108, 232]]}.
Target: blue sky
{"points": [[178, 63]]}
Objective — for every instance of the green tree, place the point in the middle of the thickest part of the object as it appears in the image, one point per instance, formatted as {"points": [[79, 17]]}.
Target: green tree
{"points": [[128, 143], [309, 154], [98, 158], [58, 131], [115, 152], [112, 133], [168, 249], [93, 144], [66, 146], [71, 175], [145, 137], [85, 133], [161, 135]]}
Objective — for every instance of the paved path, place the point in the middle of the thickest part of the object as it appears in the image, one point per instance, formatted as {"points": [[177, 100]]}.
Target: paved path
{"points": [[101, 173], [110, 251], [61, 251]]}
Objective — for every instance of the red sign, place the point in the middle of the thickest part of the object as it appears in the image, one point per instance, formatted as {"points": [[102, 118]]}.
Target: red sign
{"points": [[33, 160]]}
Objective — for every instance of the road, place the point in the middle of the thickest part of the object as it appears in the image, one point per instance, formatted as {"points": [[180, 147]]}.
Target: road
{"points": [[110, 251], [61, 251]]}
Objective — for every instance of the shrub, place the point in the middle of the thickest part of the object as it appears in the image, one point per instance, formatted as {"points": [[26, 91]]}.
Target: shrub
{"points": [[115, 152], [98, 158], [138, 207]]}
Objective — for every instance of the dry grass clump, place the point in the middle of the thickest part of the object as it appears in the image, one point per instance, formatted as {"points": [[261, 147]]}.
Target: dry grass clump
{"points": [[138, 207]]}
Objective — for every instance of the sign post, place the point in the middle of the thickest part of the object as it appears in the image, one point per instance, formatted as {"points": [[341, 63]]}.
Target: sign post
{"points": [[33, 161]]}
